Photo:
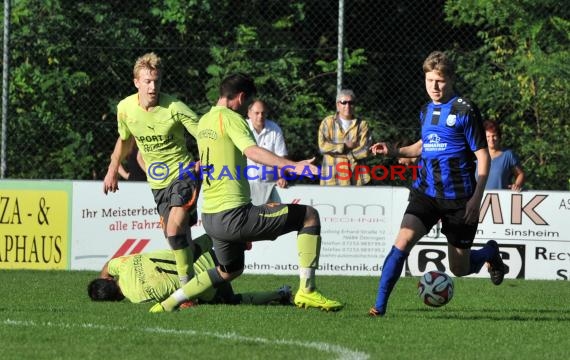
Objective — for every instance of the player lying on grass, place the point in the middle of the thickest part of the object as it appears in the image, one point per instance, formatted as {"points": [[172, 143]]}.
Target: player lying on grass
{"points": [[152, 277]]}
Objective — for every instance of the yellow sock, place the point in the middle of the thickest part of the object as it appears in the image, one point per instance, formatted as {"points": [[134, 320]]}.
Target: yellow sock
{"points": [[197, 285], [184, 261], [193, 289], [308, 249], [204, 242], [172, 302]]}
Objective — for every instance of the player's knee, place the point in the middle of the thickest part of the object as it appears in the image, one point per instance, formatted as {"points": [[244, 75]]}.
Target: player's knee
{"points": [[459, 269], [312, 217], [232, 270], [229, 276], [218, 277], [312, 224]]}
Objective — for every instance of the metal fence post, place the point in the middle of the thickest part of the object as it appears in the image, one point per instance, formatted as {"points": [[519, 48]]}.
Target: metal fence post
{"points": [[340, 56], [5, 87]]}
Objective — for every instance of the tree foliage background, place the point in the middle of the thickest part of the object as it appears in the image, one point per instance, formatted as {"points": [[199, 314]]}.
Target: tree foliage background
{"points": [[71, 62]]}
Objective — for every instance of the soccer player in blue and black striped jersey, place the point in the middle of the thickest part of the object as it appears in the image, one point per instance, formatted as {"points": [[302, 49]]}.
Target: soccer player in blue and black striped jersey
{"points": [[452, 139]]}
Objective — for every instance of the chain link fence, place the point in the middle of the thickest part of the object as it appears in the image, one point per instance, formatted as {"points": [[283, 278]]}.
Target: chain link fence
{"points": [[71, 62]]}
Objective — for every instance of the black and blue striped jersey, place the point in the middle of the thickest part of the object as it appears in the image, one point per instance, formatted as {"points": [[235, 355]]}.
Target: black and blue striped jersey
{"points": [[451, 133]]}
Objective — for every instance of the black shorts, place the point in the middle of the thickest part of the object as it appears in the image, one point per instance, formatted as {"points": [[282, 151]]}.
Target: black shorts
{"points": [[180, 193], [451, 213], [230, 230]]}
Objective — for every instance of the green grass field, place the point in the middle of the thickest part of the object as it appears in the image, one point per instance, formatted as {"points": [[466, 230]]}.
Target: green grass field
{"points": [[47, 315]]}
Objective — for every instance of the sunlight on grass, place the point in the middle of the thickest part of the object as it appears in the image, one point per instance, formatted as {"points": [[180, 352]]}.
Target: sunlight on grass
{"points": [[47, 315]]}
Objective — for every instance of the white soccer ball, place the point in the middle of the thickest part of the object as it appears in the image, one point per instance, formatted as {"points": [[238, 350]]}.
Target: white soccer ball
{"points": [[435, 288]]}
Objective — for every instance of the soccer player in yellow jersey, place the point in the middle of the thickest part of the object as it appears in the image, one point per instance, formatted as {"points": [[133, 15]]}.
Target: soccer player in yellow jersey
{"points": [[225, 142], [157, 122], [152, 276]]}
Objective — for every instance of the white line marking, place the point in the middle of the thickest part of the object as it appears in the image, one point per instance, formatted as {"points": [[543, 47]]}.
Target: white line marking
{"points": [[340, 352]]}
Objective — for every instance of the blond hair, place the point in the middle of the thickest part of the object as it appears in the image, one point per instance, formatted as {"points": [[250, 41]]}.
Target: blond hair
{"points": [[149, 61]]}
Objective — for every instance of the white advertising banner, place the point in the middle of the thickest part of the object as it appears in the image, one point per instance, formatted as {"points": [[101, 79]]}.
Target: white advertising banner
{"points": [[531, 228], [536, 224], [106, 226], [358, 227]]}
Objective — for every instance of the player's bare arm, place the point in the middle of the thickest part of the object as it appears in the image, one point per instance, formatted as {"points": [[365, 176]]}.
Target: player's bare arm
{"points": [[411, 151], [387, 149], [105, 272], [266, 157], [111, 181], [474, 204]]}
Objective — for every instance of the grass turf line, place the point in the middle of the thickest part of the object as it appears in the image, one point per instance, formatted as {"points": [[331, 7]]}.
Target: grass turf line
{"points": [[47, 315]]}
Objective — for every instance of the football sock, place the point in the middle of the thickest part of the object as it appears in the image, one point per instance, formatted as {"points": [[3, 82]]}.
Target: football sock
{"points": [[174, 300], [183, 259], [204, 263], [195, 287], [308, 250], [391, 271], [478, 257], [307, 279], [259, 298], [203, 244], [184, 256]]}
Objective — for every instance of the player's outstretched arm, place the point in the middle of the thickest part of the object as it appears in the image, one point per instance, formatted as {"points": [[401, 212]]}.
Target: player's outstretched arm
{"points": [[266, 157], [410, 151], [305, 167]]}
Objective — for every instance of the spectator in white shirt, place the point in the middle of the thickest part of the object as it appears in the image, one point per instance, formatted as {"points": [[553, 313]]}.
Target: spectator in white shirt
{"points": [[268, 135]]}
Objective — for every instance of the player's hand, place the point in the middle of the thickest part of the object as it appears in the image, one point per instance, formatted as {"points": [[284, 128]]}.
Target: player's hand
{"points": [[306, 167], [381, 148], [111, 182]]}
